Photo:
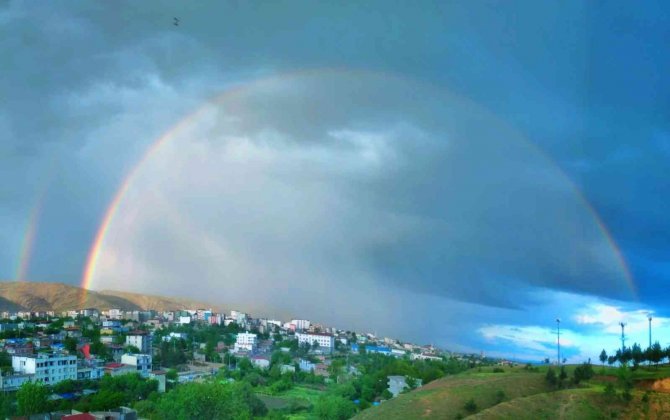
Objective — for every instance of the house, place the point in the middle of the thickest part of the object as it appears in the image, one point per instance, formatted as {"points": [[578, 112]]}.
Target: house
{"points": [[48, 368], [139, 339], [398, 383], [89, 373], [287, 368], [245, 342], [14, 382], [141, 363], [160, 376], [261, 362], [306, 365], [117, 369], [326, 342]]}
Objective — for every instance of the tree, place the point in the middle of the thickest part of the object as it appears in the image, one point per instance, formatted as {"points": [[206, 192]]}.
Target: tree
{"points": [[470, 405], [550, 377], [656, 353], [32, 398], [636, 355], [583, 372], [332, 407], [70, 345], [210, 401], [603, 357]]}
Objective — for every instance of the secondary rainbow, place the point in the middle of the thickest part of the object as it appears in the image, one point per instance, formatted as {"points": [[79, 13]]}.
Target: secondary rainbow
{"points": [[95, 250], [32, 226]]}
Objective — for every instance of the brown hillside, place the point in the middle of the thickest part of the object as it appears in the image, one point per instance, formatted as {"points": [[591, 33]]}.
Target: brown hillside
{"points": [[34, 296]]}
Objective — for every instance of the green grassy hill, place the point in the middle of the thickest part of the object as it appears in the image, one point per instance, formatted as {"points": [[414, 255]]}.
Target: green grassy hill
{"points": [[446, 397], [522, 394]]}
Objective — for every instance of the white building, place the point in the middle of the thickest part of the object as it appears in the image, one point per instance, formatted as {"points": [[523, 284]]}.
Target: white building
{"points": [[47, 368], [245, 342], [239, 317], [184, 320], [301, 324], [115, 314], [261, 362], [141, 362], [139, 339], [326, 342]]}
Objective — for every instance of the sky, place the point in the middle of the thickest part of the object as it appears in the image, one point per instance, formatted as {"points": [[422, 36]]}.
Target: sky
{"points": [[454, 173]]}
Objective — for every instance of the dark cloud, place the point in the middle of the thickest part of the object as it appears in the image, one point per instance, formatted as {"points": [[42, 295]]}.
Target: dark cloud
{"points": [[452, 202]]}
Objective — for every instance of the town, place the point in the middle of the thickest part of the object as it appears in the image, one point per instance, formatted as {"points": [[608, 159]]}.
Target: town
{"points": [[117, 364]]}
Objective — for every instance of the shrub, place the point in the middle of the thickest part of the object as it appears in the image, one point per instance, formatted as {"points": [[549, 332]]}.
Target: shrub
{"points": [[470, 405], [550, 377], [500, 396], [498, 370]]}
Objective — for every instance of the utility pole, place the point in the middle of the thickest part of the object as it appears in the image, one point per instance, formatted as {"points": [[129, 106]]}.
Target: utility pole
{"points": [[649, 361], [558, 340], [623, 345]]}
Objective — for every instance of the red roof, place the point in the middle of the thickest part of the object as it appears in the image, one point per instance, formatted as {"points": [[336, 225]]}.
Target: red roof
{"points": [[113, 365], [82, 416]]}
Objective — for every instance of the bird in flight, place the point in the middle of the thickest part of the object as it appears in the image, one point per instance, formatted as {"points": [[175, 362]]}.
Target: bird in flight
{"points": [[176, 22]]}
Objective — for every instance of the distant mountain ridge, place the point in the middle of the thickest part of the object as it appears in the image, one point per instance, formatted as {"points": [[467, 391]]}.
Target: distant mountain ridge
{"points": [[43, 296]]}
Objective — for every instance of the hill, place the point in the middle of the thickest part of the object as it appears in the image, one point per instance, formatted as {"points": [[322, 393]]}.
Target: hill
{"points": [[446, 397], [34, 296], [523, 394]]}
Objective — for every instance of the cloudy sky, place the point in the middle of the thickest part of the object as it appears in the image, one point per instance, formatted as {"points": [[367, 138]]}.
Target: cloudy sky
{"points": [[459, 174]]}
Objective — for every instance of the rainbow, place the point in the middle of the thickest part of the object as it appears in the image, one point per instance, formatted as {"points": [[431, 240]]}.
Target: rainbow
{"points": [[110, 212], [28, 242]]}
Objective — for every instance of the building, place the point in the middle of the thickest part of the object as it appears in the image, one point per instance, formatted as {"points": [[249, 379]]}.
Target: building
{"points": [[120, 413], [246, 342], [13, 382], [141, 362], [4, 327], [300, 324], [399, 383], [47, 368], [139, 339], [117, 369], [326, 342], [89, 373], [261, 362], [287, 369], [160, 376], [306, 365], [386, 351]]}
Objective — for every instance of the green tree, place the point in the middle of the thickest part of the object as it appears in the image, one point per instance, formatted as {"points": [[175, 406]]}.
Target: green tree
{"points": [[210, 401], [583, 372], [32, 398], [470, 405], [656, 353], [636, 355], [550, 377], [603, 357], [332, 407], [70, 345]]}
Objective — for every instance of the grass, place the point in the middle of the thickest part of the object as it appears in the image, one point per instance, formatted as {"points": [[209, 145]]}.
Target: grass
{"points": [[300, 397], [447, 397], [522, 394]]}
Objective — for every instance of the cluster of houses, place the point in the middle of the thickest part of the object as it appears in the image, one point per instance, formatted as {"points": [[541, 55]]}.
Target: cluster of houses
{"points": [[38, 353]]}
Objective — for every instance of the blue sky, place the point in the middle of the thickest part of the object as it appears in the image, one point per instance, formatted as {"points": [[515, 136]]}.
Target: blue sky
{"points": [[431, 171]]}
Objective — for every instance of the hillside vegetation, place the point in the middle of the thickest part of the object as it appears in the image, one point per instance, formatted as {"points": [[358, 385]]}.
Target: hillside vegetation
{"points": [[518, 393], [34, 296]]}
